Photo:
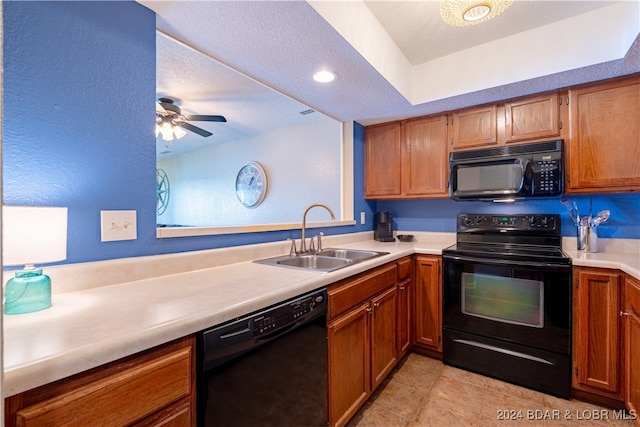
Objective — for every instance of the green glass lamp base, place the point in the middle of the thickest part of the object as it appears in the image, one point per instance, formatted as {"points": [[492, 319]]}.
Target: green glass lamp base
{"points": [[29, 291]]}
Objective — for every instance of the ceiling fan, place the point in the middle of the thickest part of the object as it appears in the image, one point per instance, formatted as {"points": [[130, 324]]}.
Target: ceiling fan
{"points": [[170, 121]]}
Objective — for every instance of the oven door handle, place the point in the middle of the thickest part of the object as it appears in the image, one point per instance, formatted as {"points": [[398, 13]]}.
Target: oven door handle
{"points": [[492, 261]]}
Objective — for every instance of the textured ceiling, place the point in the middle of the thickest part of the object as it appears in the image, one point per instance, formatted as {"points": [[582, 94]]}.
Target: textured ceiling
{"points": [[282, 43], [201, 85], [420, 33]]}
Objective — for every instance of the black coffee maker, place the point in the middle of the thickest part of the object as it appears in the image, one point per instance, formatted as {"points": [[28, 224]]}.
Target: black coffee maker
{"points": [[383, 227]]}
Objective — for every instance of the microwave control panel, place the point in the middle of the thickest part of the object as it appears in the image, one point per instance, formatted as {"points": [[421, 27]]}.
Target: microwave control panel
{"points": [[547, 173]]}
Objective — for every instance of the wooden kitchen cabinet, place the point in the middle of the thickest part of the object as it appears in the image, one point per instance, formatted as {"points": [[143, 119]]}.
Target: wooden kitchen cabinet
{"points": [[474, 127], [362, 347], [407, 159], [384, 354], [349, 372], [405, 305], [631, 320], [533, 118], [597, 360], [152, 388], [425, 157], [428, 302], [383, 160], [530, 119], [604, 145]]}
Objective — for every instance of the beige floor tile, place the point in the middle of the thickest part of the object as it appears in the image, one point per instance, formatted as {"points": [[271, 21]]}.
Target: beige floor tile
{"points": [[441, 412], [465, 376], [404, 401], [423, 362], [506, 406], [413, 375], [376, 416], [463, 395], [422, 392], [514, 390]]}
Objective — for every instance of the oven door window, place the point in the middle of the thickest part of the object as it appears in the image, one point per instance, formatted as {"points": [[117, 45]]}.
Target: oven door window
{"points": [[504, 299]]}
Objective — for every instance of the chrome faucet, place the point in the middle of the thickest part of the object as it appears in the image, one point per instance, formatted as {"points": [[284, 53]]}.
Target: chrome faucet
{"points": [[303, 243]]}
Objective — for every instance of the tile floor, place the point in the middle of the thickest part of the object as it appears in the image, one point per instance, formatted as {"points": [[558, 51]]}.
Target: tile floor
{"points": [[424, 392]]}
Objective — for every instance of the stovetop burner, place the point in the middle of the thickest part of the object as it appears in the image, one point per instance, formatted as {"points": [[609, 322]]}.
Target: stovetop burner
{"points": [[514, 237], [510, 252]]}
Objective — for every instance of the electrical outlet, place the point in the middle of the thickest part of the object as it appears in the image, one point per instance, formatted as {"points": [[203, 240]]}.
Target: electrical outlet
{"points": [[118, 225], [362, 216]]}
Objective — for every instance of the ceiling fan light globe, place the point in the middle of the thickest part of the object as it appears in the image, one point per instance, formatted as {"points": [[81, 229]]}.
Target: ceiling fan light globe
{"points": [[167, 131], [178, 132]]}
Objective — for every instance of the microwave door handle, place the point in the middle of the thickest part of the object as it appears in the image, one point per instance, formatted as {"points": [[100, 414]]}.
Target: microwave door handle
{"points": [[523, 163]]}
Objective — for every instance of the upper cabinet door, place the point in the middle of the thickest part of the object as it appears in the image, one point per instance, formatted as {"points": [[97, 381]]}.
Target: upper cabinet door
{"points": [[425, 163], [532, 118], [382, 159], [474, 127], [604, 146]]}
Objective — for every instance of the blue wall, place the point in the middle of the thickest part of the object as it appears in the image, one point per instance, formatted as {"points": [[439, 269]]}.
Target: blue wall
{"points": [[79, 82], [439, 215]]}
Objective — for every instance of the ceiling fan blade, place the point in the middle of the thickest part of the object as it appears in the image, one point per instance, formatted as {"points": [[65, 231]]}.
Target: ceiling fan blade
{"points": [[197, 118], [195, 129]]}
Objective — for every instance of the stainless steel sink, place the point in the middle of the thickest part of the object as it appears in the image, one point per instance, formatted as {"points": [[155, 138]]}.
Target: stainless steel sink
{"points": [[352, 254], [326, 261], [315, 262]]}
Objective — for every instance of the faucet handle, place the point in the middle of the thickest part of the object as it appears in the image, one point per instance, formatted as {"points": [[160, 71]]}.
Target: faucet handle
{"points": [[319, 238], [292, 251], [312, 248]]}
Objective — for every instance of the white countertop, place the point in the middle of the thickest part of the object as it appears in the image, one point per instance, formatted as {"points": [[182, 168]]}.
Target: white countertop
{"points": [[87, 328]]}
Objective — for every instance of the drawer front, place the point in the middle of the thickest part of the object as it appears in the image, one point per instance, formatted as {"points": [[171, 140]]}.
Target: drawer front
{"points": [[632, 296], [350, 292], [119, 399], [404, 268]]}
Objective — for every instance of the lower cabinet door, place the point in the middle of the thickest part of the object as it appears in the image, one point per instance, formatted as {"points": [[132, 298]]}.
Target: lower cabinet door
{"points": [[349, 364], [428, 302], [596, 331], [632, 368], [405, 318], [632, 346], [384, 354]]}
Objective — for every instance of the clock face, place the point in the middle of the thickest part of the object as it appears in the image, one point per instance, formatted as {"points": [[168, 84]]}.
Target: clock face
{"points": [[251, 185]]}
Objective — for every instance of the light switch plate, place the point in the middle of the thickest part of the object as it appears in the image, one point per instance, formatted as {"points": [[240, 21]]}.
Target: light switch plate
{"points": [[362, 216], [118, 225]]}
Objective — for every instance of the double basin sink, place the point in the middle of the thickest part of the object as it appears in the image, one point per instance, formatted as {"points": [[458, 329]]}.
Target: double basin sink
{"points": [[324, 261]]}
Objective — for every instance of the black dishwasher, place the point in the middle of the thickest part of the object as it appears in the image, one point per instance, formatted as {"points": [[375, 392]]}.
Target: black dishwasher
{"points": [[268, 368]]}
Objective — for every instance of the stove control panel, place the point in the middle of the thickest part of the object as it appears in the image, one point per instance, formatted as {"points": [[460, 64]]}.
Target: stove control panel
{"points": [[520, 222]]}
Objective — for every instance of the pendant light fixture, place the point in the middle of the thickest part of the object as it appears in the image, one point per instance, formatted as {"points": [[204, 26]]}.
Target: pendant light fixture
{"points": [[460, 13]]}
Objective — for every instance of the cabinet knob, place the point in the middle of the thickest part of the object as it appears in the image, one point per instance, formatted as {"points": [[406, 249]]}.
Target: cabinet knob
{"points": [[376, 304], [369, 309], [622, 313]]}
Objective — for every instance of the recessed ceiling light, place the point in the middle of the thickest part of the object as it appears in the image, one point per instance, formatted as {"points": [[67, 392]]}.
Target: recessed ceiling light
{"points": [[324, 76]]}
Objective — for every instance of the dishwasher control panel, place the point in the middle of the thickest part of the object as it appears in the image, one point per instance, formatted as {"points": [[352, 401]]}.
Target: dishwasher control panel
{"points": [[289, 313], [224, 342]]}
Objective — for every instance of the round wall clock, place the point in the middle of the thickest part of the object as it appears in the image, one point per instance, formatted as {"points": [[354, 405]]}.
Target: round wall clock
{"points": [[251, 184]]}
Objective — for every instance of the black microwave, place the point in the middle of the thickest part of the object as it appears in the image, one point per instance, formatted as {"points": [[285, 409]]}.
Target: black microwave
{"points": [[507, 173]]}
